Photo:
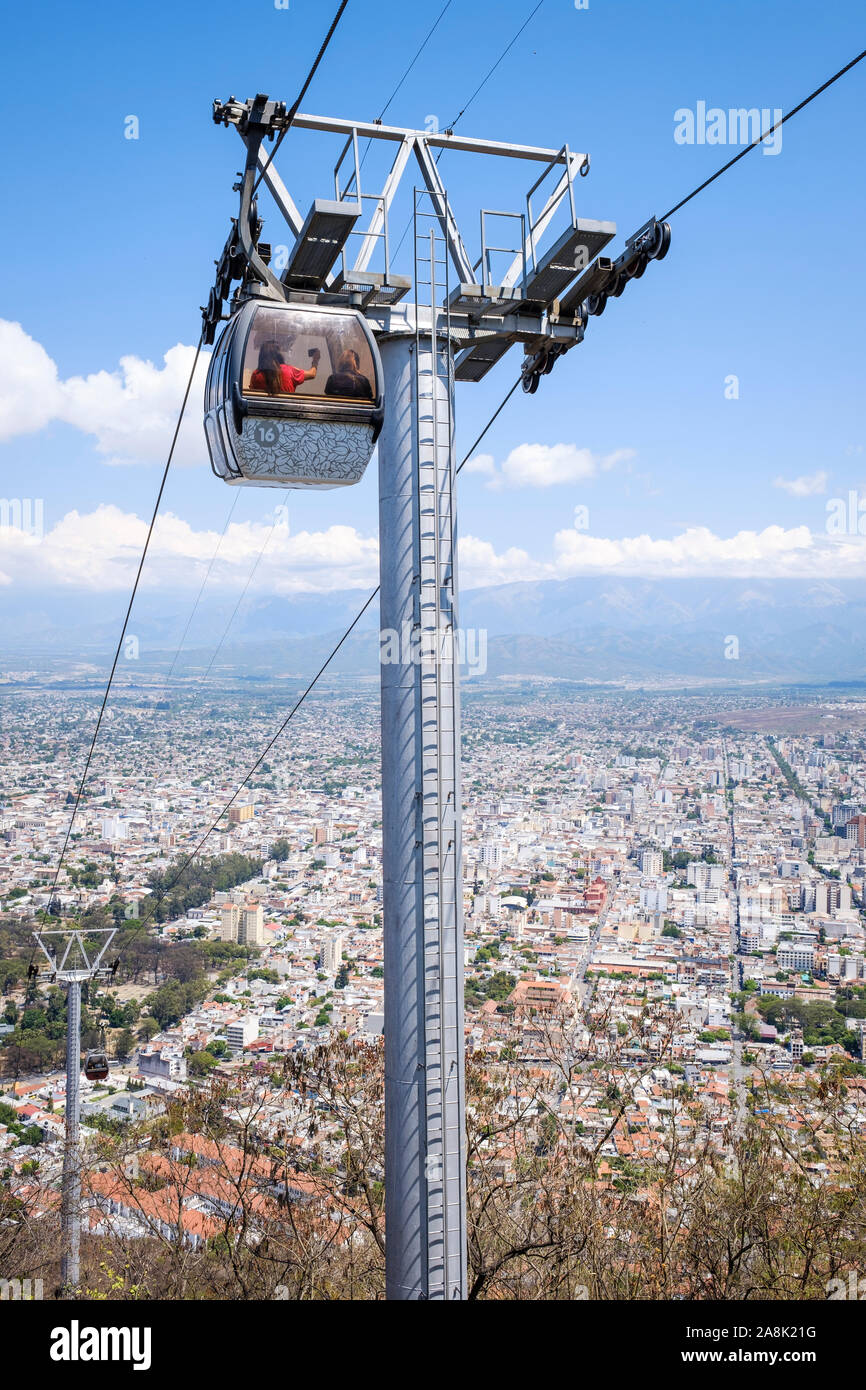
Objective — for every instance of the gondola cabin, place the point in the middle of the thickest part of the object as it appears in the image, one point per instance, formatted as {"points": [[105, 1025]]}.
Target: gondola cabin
{"points": [[96, 1066], [293, 396]]}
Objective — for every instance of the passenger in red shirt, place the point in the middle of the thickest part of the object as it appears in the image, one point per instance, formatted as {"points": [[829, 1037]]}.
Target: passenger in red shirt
{"points": [[278, 377]]}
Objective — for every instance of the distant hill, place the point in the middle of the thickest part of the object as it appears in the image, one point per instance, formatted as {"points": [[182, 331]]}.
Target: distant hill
{"points": [[582, 629]]}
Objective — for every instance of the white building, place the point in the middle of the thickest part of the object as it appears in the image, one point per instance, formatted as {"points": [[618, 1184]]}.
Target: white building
{"points": [[795, 955], [651, 862], [242, 1031], [251, 925], [331, 955]]}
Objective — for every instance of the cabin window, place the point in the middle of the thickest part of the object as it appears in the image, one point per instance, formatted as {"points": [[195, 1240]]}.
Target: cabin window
{"points": [[284, 348]]}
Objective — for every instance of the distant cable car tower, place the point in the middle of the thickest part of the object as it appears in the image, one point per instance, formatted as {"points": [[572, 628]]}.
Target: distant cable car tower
{"points": [[287, 404], [73, 958]]}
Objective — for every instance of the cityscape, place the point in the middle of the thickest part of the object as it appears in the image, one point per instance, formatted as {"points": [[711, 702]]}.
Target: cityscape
{"points": [[667, 885]]}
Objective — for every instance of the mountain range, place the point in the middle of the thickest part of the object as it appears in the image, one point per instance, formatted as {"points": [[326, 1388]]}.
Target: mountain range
{"points": [[596, 629]]}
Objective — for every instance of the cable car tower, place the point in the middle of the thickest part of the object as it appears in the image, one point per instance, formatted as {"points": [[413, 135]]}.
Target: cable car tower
{"points": [[74, 957], [318, 356]]}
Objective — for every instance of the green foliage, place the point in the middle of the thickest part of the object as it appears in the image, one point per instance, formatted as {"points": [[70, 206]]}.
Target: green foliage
{"points": [[497, 987], [200, 1063], [197, 883], [261, 972], [822, 1023], [174, 999]]}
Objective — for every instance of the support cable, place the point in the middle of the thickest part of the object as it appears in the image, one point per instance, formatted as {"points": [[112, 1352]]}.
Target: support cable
{"points": [[776, 125], [512, 41], [427, 37], [300, 700], [487, 76], [295, 107], [198, 598], [243, 594], [122, 637]]}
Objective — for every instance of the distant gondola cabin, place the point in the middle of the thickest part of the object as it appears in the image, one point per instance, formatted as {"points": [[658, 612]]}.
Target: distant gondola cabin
{"points": [[96, 1066]]}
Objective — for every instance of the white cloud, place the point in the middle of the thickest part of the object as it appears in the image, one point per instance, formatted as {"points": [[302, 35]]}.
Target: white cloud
{"points": [[808, 485], [100, 550], [697, 551], [29, 390], [547, 465], [481, 463], [479, 565], [131, 412]]}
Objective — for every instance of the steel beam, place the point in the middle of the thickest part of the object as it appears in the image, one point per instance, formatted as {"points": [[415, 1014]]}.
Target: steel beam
{"points": [[370, 130]]}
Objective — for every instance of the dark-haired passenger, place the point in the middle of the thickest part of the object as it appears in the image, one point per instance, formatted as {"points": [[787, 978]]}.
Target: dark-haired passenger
{"points": [[278, 377], [348, 379]]}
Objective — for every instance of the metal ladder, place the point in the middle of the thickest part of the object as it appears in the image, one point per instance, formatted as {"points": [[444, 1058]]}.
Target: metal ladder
{"points": [[438, 829]]}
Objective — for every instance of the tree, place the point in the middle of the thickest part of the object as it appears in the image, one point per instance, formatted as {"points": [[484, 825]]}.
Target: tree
{"points": [[201, 1063], [124, 1043]]}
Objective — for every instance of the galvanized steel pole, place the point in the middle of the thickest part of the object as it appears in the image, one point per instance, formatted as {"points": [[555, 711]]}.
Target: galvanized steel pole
{"points": [[71, 1198], [425, 1196]]}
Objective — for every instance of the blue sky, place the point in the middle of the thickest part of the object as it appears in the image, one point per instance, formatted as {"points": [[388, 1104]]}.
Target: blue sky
{"points": [[110, 250]]}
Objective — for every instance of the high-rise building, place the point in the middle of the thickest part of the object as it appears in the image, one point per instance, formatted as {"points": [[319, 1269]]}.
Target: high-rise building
{"points": [[855, 829], [239, 814], [490, 854], [651, 862], [229, 918], [704, 875], [843, 812], [331, 954], [251, 925]]}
